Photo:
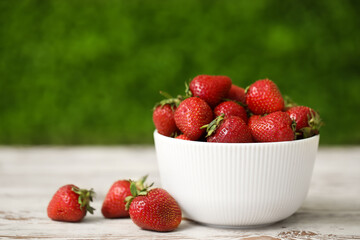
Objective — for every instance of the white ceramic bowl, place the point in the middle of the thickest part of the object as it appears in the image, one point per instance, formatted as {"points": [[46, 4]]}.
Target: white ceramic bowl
{"points": [[236, 184]]}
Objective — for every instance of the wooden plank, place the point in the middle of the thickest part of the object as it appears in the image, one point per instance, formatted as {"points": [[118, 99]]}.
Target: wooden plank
{"points": [[30, 176]]}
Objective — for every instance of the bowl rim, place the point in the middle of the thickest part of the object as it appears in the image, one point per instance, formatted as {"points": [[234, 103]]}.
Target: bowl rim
{"points": [[157, 134]]}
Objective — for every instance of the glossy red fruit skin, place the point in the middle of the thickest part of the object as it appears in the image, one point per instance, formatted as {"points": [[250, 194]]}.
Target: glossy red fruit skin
{"points": [[301, 115], [163, 118], [64, 205], [230, 108], [157, 211], [183, 137], [263, 97], [114, 203], [212, 89], [191, 115], [275, 127], [252, 119], [231, 130], [237, 93]]}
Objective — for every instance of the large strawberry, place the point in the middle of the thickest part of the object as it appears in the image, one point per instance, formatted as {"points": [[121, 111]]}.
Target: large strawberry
{"points": [[211, 89], [70, 204], [230, 108], [237, 93], [263, 97], [308, 122], [153, 209], [274, 127], [191, 115], [231, 129]]}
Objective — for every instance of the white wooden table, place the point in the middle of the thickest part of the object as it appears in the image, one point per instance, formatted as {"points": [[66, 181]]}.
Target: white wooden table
{"points": [[30, 176]]}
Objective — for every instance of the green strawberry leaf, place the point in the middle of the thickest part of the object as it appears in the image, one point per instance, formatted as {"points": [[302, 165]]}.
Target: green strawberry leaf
{"points": [[188, 92], [133, 189], [85, 197], [213, 125]]}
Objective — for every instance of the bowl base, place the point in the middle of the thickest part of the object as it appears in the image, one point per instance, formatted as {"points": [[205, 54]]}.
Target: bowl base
{"points": [[231, 226]]}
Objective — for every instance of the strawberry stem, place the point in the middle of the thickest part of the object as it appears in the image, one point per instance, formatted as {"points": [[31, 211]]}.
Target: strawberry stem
{"points": [[188, 92], [85, 197], [314, 121], [246, 89], [289, 102], [165, 94], [169, 100], [137, 189], [213, 125]]}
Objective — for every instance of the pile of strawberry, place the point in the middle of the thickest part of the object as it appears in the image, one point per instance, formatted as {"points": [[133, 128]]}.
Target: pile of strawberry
{"points": [[215, 110], [152, 209]]}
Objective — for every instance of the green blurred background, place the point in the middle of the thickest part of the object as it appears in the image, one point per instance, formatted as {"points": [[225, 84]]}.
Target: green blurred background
{"points": [[89, 72]]}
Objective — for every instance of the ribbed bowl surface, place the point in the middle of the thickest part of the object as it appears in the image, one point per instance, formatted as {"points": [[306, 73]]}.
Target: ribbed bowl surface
{"points": [[238, 184]]}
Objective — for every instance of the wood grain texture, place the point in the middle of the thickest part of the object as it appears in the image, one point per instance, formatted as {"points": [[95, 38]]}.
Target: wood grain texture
{"points": [[30, 176]]}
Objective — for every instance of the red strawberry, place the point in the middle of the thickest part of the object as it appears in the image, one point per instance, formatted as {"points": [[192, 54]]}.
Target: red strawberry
{"points": [[183, 137], [70, 204], [237, 93], [263, 96], [212, 89], [231, 108], [114, 203], [191, 115], [275, 127], [163, 118], [153, 209], [253, 118], [307, 120], [229, 130]]}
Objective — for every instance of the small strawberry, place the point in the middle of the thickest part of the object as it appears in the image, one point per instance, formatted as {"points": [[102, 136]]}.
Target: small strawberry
{"points": [[308, 122], [231, 129], [114, 203], [263, 97], [230, 108], [237, 94], [153, 209], [191, 115], [212, 89], [163, 115], [183, 137], [70, 204], [163, 118], [274, 127]]}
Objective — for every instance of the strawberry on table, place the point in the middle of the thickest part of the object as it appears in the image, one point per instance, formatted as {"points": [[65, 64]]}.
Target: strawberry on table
{"points": [[230, 108], [263, 97], [231, 129], [191, 115], [114, 203], [308, 122], [153, 209], [274, 127], [212, 89], [70, 204], [237, 94]]}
